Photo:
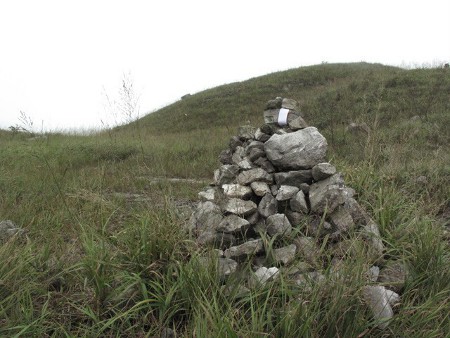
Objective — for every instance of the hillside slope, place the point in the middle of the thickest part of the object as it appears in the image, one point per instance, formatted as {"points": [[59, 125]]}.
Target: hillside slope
{"points": [[328, 93]]}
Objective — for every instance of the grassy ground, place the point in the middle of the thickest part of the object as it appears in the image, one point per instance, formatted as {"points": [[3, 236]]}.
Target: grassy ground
{"points": [[105, 253]]}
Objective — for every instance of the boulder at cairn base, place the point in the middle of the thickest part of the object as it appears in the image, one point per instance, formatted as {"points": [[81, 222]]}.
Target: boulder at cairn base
{"points": [[302, 149]]}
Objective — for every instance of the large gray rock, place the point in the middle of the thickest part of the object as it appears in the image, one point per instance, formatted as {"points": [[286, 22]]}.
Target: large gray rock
{"points": [[328, 194], [278, 224], [8, 229], [237, 191], [232, 224], [286, 192], [380, 301], [302, 149], [252, 175], [246, 249], [268, 206], [239, 207], [294, 178]]}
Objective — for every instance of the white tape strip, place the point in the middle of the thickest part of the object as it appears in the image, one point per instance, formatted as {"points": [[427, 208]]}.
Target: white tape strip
{"points": [[282, 116]]}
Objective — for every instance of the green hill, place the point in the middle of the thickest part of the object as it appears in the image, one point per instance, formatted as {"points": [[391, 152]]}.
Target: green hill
{"points": [[328, 93]]}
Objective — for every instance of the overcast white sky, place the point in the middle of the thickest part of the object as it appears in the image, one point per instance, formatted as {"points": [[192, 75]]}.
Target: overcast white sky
{"points": [[57, 58]]}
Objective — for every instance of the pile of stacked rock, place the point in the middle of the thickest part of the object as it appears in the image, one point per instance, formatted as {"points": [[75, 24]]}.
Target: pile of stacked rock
{"points": [[274, 185]]}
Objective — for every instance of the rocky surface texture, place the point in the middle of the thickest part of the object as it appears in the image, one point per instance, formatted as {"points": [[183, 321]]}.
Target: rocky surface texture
{"points": [[276, 203]]}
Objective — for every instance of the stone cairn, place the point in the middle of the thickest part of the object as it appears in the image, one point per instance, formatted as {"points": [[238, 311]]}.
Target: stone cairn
{"points": [[275, 185]]}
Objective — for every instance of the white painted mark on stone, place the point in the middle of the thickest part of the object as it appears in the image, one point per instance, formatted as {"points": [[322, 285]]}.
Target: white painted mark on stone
{"points": [[282, 116]]}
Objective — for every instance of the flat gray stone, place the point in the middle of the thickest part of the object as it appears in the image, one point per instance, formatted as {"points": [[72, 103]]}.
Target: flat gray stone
{"points": [[252, 175], [246, 249], [297, 124], [302, 149], [232, 224], [238, 206], [294, 178], [237, 191], [289, 104], [286, 192]]}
